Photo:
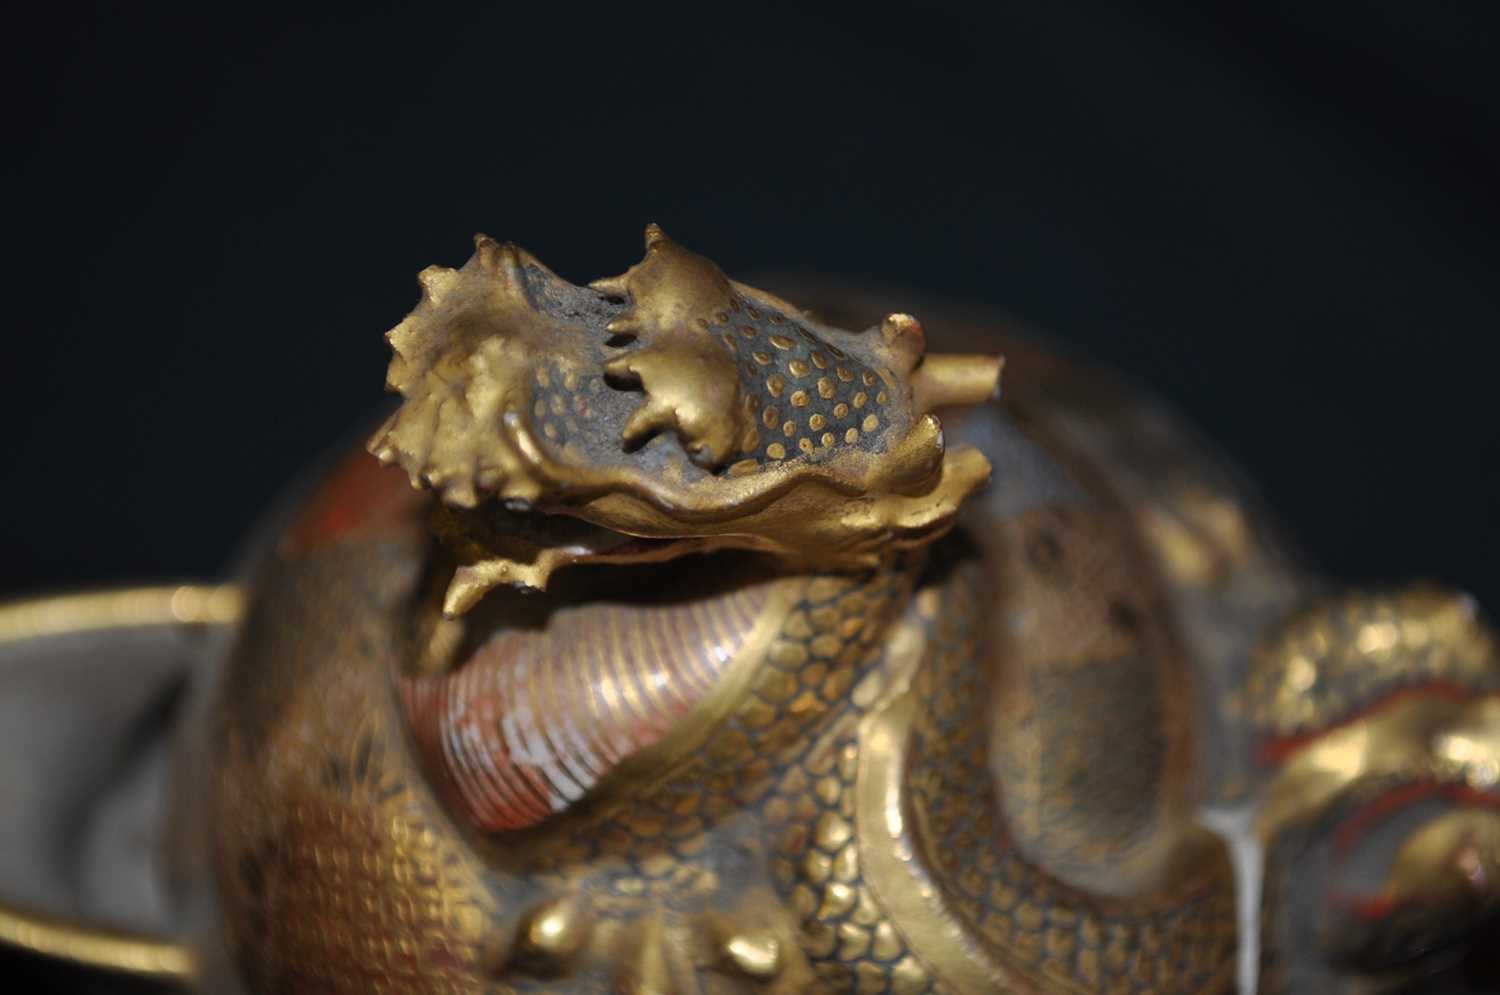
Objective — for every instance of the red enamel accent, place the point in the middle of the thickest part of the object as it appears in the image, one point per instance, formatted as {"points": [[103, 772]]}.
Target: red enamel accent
{"points": [[1371, 908], [1276, 751], [1360, 824], [360, 498]]}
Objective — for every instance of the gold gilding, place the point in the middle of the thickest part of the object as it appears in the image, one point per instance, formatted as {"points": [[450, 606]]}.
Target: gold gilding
{"points": [[489, 347]]}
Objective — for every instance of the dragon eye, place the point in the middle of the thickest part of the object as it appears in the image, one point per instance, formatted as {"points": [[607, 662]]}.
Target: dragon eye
{"points": [[563, 689]]}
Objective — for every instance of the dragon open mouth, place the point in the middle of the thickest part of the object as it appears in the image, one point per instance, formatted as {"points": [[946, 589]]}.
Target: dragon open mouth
{"points": [[610, 663], [665, 412]]}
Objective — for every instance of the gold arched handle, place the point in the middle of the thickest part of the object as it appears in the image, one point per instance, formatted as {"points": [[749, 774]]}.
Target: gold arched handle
{"points": [[96, 947]]}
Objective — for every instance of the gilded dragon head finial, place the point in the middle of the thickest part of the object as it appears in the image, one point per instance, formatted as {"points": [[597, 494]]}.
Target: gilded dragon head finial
{"points": [[665, 411]]}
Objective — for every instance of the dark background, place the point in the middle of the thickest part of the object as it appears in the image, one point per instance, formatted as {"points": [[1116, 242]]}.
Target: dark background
{"points": [[1282, 218]]}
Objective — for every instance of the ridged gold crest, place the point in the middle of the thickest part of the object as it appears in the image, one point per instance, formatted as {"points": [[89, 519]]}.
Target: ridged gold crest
{"points": [[670, 405]]}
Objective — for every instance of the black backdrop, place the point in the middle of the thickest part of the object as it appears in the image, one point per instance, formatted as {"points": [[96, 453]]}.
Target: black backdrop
{"points": [[1284, 221], [1282, 218]]}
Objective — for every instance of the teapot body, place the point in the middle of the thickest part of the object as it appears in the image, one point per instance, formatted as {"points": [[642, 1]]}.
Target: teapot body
{"points": [[991, 764]]}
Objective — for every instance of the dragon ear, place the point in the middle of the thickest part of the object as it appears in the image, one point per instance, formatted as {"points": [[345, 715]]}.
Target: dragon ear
{"points": [[501, 259], [655, 236], [902, 342], [619, 286]]}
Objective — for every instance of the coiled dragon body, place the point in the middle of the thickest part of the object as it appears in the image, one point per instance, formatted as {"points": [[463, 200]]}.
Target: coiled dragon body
{"points": [[705, 658]]}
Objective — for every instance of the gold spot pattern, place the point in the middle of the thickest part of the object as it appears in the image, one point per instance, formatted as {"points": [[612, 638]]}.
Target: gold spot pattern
{"points": [[776, 451], [826, 398]]}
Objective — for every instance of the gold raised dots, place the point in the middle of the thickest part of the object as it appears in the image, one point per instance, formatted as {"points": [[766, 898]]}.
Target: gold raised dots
{"points": [[789, 429], [831, 832], [816, 422], [869, 378], [887, 945], [860, 399], [747, 331], [798, 368], [840, 410], [870, 424], [819, 360], [827, 439], [756, 954], [852, 435], [825, 388], [744, 468], [764, 359], [854, 941], [838, 898], [776, 451], [555, 930], [775, 383], [781, 342], [799, 399], [908, 977], [805, 444], [539, 408], [730, 343], [751, 313], [818, 939], [843, 374]]}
